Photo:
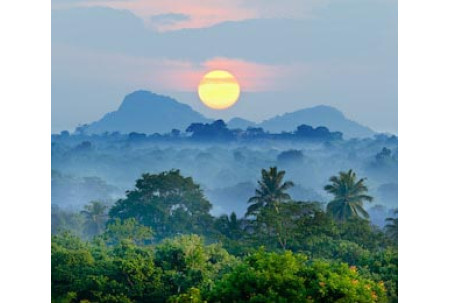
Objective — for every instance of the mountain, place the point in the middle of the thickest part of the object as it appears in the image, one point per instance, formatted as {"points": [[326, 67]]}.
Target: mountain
{"points": [[146, 112], [316, 116]]}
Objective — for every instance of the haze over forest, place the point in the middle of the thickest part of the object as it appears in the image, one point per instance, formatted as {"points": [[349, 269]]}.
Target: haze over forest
{"points": [[150, 133]]}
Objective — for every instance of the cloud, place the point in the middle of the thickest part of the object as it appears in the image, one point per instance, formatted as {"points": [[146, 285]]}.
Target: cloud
{"points": [[162, 22], [357, 34], [202, 13], [170, 18], [211, 12], [165, 74]]}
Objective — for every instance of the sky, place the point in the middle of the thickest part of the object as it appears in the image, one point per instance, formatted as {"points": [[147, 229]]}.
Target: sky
{"points": [[286, 54]]}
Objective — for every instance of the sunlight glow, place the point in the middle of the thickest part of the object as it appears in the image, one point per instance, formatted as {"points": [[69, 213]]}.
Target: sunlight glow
{"points": [[219, 89]]}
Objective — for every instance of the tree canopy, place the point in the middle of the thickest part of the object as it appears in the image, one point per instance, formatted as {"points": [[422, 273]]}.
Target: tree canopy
{"points": [[167, 202], [160, 244]]}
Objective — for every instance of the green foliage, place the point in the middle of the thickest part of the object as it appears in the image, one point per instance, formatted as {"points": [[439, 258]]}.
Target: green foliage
{"points": [[349, 196], [72, 262], [281, 225], [167, 202], [332, 249], [128, 229], [363, 233], [187, 262], [309, 256], [288, 277], [383, 267], [184, 269], [193, 295], [93, 273]]}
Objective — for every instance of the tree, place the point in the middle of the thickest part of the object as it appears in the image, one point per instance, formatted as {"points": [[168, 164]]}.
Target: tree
{"points": [[391, 227], [320, 133], [217, 130], [86, 272], [281, 226], [271, 191], [383, 266], [287, 277], [167, 202], [349, 196], [96, 217], [187, 262]]}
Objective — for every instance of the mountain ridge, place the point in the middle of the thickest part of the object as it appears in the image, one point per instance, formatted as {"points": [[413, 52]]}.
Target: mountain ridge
{"points": [[319, 115], [147, 112]]}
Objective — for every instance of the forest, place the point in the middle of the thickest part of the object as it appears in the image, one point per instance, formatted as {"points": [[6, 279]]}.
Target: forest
{"points": [[159, 242], [225, 162]]}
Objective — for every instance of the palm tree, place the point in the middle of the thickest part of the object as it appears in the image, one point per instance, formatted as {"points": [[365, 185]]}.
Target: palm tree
{"points": [[96, 216], [391, 227], [270, 192], [349, 196]]}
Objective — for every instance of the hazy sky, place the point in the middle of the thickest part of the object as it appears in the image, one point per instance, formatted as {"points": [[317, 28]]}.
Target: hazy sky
{"points": [[287, 55]]}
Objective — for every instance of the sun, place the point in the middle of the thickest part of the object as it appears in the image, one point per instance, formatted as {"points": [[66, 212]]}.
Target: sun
{"points": [[219, 89]]}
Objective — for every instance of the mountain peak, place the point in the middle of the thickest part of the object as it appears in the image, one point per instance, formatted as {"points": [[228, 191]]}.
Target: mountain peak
{"points": [[143, 98], [146, 112], [320, 115], [324, 109]]}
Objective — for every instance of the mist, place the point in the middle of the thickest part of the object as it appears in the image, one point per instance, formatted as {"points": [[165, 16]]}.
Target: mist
{"points": [[89, 168]]}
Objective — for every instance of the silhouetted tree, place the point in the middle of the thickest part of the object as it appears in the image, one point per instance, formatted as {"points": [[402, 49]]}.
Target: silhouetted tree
{"points": [[136, 136], [319, 133], [175, 133], [215, 131]]}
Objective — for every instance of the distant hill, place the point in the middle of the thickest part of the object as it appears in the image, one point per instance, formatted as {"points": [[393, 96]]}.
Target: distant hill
{"points": [[316, 116], [146, 112]]}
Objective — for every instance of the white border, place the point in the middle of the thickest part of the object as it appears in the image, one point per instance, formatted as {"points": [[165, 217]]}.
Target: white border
{"points": [[25, 57], [424, 183]]}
